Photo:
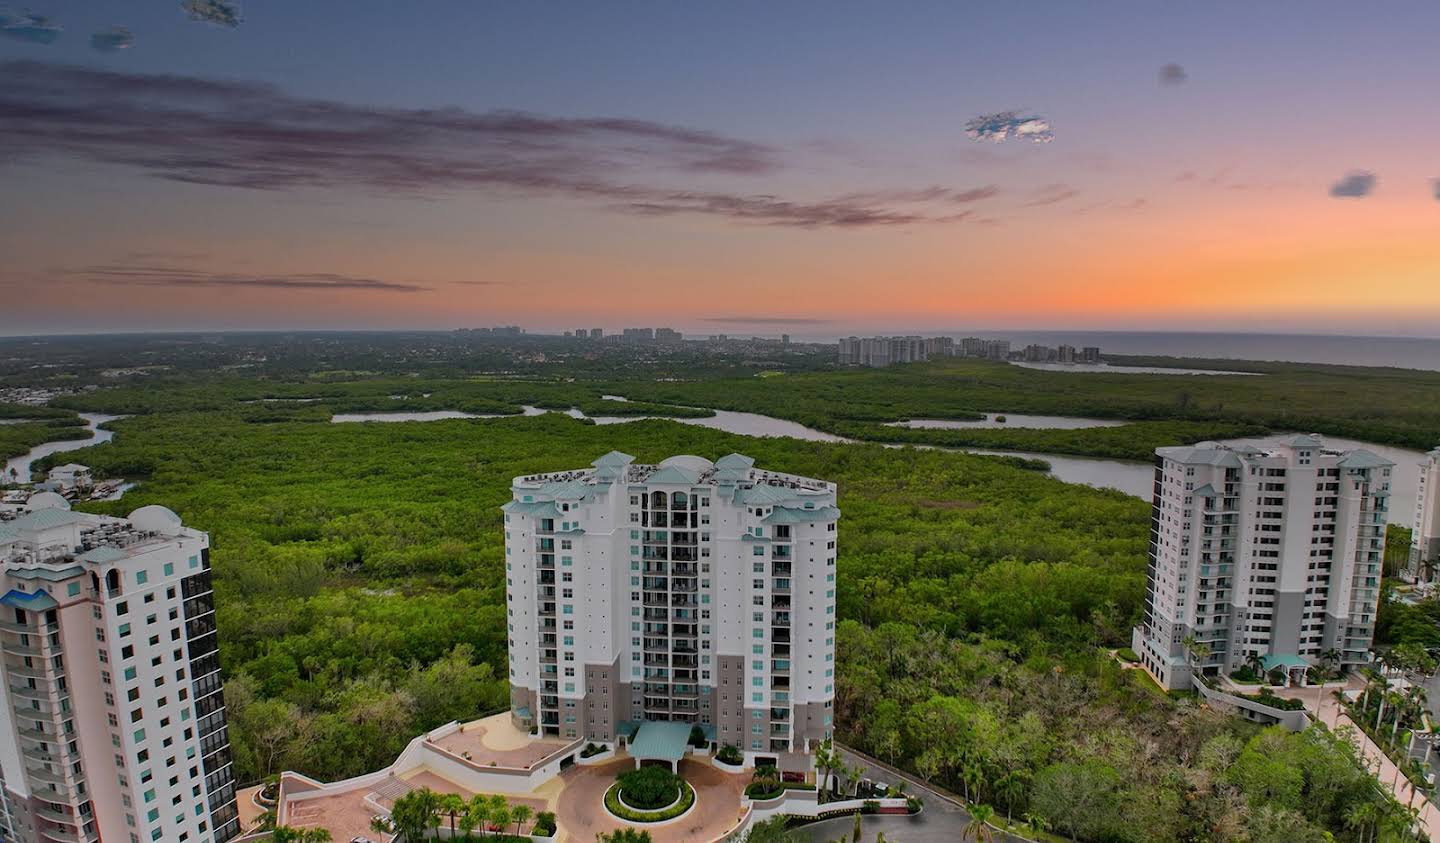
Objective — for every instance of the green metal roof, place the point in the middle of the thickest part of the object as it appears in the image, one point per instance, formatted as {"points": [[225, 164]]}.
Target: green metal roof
{"points": [[674, 474], [1285, 660], [800, 515], [101, 555], [614, 458], [735, 461], [1361, 458], [46, 519], [664, 740]]}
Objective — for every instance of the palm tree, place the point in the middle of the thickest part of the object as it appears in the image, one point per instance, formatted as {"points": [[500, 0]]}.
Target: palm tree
{"points": [[452, 804], [500, 814], [826, 760], [477, 813], [978, 829], [1255, 663], [1360, 818], [520, 815], [852, 775], [1010, 787], [415, 813], [286, 834]]}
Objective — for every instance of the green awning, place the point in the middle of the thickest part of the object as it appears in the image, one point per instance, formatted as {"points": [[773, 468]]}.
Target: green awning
{"points": [[1286, 661], [662, 740]]}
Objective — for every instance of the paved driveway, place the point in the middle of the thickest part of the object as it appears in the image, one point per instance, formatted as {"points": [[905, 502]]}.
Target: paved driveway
{"points": [[581, 807]]}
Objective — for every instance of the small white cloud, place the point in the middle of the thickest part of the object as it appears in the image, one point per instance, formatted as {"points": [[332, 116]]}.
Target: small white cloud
{"points": [[1007, 125]]}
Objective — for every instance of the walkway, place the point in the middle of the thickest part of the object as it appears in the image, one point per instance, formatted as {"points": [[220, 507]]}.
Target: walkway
{"points": [[1332, 715]]}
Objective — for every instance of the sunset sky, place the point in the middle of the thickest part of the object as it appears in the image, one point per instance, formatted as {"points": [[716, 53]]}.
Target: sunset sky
{"points": [[721, 167]]}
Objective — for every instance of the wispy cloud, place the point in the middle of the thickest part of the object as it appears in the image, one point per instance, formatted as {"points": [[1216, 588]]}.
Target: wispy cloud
{"points": [[765, 320], [1354, 185], [1052, 194], [112, 40], [1172, 75], [219, 12], [24, 26], [247, 135], [170, 276], [1435, 186]]}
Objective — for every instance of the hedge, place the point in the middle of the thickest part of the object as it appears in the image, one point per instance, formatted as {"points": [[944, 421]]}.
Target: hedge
{"points": [[616, 807]]}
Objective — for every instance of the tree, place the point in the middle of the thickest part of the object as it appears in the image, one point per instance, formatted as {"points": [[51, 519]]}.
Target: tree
{"points": [[978, 829], [772, 830], [415, 813], [477, 813], [500, 814], [286, 834], [453, 805], [826, 760], [623, 835], [520, 815], [857, 828], [1011, 787], [1079, 797]]}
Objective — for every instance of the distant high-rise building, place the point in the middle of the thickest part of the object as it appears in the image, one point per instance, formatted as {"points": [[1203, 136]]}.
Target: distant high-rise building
{"points": [[1065, 354], [1090, 354], [1039, 354], [686, 591], [1273, 553], [668, 335], [1425, 536], [597, 333], [784, 339], [638, 334], [884, 351], [997, 349], [113, 724]]}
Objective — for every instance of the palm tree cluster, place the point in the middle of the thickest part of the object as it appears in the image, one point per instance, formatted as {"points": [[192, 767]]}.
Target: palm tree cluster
{"points": [[1388, 713], [422, 811]]}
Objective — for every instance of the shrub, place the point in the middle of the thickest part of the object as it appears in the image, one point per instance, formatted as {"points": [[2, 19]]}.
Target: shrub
{"points": [[763, 790], [697, 737], [591, 749], [624, 812], [912, 804], [730, 754], [544, 824], [1128, 655], [649, 788], [869, 806]]}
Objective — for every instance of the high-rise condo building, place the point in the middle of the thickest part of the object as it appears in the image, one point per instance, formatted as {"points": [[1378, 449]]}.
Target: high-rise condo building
{"points": [[113, 724], [1425, 538], [1274, 552], [685, 591]]}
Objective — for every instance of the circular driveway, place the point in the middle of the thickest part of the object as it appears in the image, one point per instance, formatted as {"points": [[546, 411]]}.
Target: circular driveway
{"points": [[580, 809]]}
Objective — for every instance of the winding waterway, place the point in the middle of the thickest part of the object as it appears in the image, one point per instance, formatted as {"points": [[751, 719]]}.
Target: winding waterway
{"points": [[21, 464]]}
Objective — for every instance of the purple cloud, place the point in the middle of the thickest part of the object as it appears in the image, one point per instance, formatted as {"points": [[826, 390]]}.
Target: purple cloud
{"points": [[248, 135], [171, 276], [1172, 75], [1354, 185], [219, 12], [112, 40], [24, 26], [1008, 125]]}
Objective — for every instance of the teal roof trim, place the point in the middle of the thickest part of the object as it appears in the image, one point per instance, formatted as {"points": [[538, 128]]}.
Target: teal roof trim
{"points": [[48, 519], [663, 740], [1361, 458], [46, 574], [614, 458], [38, 601], [735, 461], [799, 515]]}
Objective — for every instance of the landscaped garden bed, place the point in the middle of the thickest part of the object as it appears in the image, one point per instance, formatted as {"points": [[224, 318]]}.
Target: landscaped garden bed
{"points": [[649, 795]]}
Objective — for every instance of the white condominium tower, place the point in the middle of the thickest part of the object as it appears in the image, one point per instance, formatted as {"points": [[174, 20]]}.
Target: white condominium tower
{"points": [[1425, 538], [1274, 552], [686, 591], [113, 723]]}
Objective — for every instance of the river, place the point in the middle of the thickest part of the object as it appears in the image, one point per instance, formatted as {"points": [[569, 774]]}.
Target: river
{"points": [[21, 464]]}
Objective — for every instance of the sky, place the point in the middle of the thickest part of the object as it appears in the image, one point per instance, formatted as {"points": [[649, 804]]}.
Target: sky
{"points": [[816, 168]]}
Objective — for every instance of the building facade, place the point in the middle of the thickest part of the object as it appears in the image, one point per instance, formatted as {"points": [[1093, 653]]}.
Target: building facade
{"points": [[1425, 538], [113, 724], [689, 590], [1273, 552]]}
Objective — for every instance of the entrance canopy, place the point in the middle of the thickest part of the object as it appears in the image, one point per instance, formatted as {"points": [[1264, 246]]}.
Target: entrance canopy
{"points": [[660, 740], [1286, 661]]}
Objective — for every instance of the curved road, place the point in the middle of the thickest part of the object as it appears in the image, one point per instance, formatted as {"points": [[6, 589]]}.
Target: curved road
{"points": [[941, 821]]}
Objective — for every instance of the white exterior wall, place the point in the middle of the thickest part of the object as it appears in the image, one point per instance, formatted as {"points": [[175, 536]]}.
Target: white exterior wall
{"points": [[733, 609], [1290, 564], [1425, 539]]}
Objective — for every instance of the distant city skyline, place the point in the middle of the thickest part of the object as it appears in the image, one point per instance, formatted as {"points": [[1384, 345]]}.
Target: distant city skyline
{"points": [[506, 163]]}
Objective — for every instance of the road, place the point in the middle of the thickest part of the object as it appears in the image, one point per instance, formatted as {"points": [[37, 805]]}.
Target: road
{"points": [[941, 821]]}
